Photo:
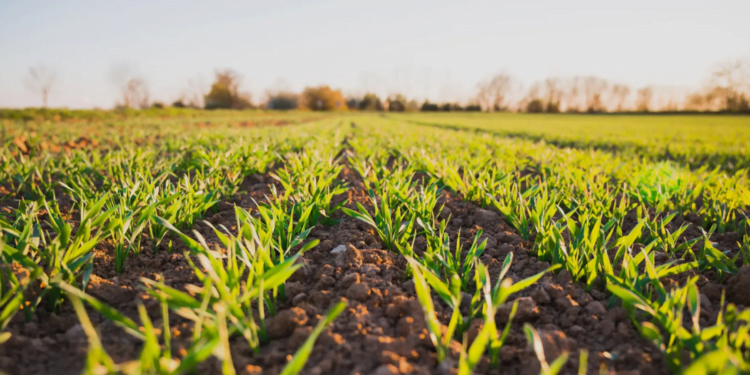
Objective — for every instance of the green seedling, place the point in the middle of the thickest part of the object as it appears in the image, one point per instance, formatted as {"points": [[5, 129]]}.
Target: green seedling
{"points": [[535, 341], [393, 226]]}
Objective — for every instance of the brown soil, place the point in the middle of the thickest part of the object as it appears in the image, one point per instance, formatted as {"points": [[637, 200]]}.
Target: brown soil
{"points": [[381, 332]]}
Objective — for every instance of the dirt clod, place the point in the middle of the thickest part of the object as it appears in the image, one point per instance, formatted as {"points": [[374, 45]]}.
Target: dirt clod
{"points": [[527, 310], [596, 308], [358, 292], [738, 290], [386, 370], [351, 258], [284, 323]]}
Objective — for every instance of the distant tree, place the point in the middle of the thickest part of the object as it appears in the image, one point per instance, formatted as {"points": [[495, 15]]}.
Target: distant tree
{"points": [[643, 99], [451, 107], [370, 102], [429, 107], [135, 94], [572, 95], [194, 94], [397, 103], [535, 106], [492, 93], [41, 79], [533, 95], [412, 106], [594, 90], [352, 103], [552, 107], [225, 93], [727, 89], [730, 85], [553, 94], [619, 96], [282, 100], [671, 106], [133, 89], [322, 98]]}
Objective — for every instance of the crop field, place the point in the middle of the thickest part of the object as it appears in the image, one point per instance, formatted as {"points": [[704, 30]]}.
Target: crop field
{"points": [[361, 243]]}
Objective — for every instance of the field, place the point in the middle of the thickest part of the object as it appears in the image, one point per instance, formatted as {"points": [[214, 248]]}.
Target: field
{"points": [[364, 243]]}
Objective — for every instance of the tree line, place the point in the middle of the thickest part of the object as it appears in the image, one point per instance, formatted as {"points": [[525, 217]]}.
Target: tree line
{"points": [[727, 89]]}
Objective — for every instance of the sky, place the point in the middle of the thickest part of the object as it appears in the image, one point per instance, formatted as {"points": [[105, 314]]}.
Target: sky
{"points": [[435, 49]]}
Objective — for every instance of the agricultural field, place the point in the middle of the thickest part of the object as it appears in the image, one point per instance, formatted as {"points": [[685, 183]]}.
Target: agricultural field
{"points": [[364, 243]]}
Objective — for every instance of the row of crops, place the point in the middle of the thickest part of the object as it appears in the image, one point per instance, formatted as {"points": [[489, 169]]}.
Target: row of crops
{"points": [[694, 141], [640, 228]]}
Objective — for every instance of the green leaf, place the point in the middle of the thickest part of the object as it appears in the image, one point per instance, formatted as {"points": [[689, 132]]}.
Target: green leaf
{"points": [[651, 332], [308, 246], [176, 298], [630, 297], [558, 364]]}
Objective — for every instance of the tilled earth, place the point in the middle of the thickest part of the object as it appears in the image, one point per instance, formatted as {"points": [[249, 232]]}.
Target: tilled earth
{"points": [[382, 331]]}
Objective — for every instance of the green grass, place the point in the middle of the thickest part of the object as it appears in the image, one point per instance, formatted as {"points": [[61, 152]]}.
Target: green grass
{"points": [[565, 183], [717, 140]]}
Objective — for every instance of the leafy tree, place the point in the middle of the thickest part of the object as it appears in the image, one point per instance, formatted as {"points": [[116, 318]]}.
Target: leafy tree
{"points": [[397, 103], [429, 107], [283, 100], [535, 106], [225, 93], [322, 98], [371, 102]]}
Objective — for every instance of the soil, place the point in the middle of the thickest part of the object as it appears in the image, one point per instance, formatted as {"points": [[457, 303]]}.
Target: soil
{"points": [[381, 332]]}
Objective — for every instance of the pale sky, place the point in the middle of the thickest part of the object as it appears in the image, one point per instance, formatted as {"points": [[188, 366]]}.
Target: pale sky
{"points": [[439, 49]]}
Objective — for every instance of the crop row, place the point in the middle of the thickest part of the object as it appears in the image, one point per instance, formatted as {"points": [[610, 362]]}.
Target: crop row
{"points": [[606, 219], [694, 141], [133, 196], [573, 207]]}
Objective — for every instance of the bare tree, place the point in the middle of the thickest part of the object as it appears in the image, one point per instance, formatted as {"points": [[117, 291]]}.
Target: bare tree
{"points": [[698, 101], [572, 95], [484, 96], [594, 88], [41, 79], [730, 82], [492, 94], [643, 99], [532, 103], [727, 89], [133, 89], [137, 93], [554, 94], [620, 95], [192, 96]]}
